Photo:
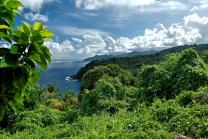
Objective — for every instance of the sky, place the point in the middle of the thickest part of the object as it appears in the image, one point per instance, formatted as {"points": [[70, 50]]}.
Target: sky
{"points": [[84, 28]]}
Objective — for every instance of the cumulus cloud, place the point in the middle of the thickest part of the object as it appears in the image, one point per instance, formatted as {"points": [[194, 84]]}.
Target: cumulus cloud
{"points": [[35, 5], [36, 17], [138, 5], [97, 4], [124, 10], [193, 29], [199, 5]]}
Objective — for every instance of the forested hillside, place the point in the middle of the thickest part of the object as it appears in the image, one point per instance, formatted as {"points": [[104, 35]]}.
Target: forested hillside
{"points": [[132, 63], [131, 54], [163, 100]]}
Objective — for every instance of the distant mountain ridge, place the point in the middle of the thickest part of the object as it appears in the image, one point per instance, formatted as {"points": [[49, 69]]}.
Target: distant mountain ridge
{"points": [[199, 47], [131, 54], [99, 57], [135, 62]]}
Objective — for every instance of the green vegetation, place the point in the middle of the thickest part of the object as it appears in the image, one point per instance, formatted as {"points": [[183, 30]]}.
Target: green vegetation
{"points": [[184, 71], [155, 96], [92, 76], [132, 63], [164, 100], [17, 63]]}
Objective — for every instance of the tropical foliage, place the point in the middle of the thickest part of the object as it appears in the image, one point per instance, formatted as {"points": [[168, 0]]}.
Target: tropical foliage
{"points": [[161, 96], [184, 71], [18, 69]]}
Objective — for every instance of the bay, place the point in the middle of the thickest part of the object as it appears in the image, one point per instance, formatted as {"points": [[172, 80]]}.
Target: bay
{"points": [[58, 73]]}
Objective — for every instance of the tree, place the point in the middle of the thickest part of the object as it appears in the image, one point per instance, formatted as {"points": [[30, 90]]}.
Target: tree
{"points": [[18, 69], [92, 76], [181, 71], [108, 95]]}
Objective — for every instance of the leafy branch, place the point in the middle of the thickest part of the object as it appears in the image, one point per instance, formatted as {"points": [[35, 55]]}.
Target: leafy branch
{"points": [[18, 64]]}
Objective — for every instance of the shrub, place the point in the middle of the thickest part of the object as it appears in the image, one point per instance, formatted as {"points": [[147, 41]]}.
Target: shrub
{"points": [[190, 122], [33, 120], [190, 97], [182, 71], [70, 100], [33, 98], [164, 111], [70, 115], [92, 76], [108, 94]]}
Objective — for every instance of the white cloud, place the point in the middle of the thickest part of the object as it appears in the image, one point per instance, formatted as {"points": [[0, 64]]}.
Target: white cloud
{"points": [[167, 5], [36, 17], [35, 5], [97, 4], [193, 29], [195, 19], [78, 31], [199, 5], [198, 8], [139, 5], [125, 10]]}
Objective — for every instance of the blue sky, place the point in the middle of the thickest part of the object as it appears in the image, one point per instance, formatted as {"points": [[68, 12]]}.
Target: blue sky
{"points": [[85, 28]]}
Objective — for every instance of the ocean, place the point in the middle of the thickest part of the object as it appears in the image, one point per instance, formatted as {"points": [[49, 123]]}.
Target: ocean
{"points": [[57, 74]]}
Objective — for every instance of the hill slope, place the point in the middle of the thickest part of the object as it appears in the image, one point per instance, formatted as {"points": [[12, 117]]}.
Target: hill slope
{"points": [[131, 54], [134, 62]]}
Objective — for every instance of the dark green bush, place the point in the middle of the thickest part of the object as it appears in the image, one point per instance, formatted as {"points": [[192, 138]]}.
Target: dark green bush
{"points": [[92, 76], [36, 119], [108, 95], [182, 71], [190, 97], [185, 98], [164, 111], [33, 98], [70, 115], [189, 123], [70, 99]]}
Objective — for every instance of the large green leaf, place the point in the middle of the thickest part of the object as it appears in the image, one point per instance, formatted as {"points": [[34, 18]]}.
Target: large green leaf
{"points": [[16, 11], [39, 60], [37, 48], [24, 38], [14, 49], [34, 77], [13, 4], [38, 26], [11, 59], [46, 53], [4, 27], [46, 34], [14, 105], [35, 57], [27, 28], [19, 99], [2, 35], [43, 64]]}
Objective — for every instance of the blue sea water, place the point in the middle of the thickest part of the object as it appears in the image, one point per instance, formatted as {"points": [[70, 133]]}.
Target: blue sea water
{"points": [[57, 73]]}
